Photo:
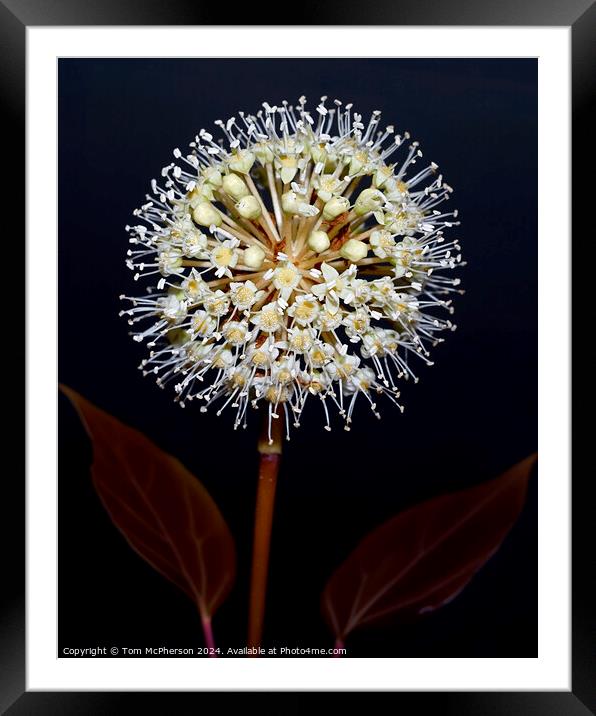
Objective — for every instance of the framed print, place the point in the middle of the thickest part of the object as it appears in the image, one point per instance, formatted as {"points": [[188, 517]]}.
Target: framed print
{"points": [[260, 456]]}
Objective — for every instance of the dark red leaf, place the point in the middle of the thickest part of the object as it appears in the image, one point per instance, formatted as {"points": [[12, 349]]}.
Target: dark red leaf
{"points": [[161, 508], [423, 558]]}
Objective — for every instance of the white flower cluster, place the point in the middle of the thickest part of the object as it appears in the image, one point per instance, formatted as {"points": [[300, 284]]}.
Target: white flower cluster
{"points": [[294, 259]]}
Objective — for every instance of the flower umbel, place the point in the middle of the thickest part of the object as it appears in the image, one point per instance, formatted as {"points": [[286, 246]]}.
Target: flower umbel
{"points": [[296, 256]]}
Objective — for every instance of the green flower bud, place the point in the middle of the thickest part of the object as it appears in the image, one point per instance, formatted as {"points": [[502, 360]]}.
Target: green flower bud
{"points": [[253, 257], [235, 186], [242, 161], [382, 175], [368, 200], [354, 250], [318, 153], [318, 242], [263, 152], [356, 165], [202, 192], [205, 214], [290, 202], [212, 176], [249, 208], [288, 173], [334, 207]]}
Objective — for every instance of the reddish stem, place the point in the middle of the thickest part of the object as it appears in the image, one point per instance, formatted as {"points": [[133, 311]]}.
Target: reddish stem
{"points": [[338, 645], [268, 469], [208, 634]]}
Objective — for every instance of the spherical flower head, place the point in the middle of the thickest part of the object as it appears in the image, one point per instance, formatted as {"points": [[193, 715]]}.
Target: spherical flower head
{"points": [[304, 256]]}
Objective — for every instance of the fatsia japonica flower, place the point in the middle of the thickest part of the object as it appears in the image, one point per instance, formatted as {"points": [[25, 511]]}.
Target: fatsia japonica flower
{"points": [[300, 254]]}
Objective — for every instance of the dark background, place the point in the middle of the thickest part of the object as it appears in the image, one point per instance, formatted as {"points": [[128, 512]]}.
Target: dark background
{"points": [[471, 416]]}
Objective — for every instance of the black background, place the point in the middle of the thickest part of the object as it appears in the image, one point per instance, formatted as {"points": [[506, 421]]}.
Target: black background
{"points": [[472, 415]]}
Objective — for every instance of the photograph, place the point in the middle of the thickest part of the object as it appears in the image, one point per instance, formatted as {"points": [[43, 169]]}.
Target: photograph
{"points": [[297, 357]]}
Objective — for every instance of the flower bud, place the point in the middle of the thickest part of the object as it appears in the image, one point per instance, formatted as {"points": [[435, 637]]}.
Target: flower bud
{"points": [[326, 185], [249, 208], [334, 207], [242, 161], [212, 176], [235, 186], [202, 192], [253, 257], [205, 214], [368, 200], [318, 153], [289, 167], [356, 165], [318, 242], [382, 176], [290, 202], [354, 250], [263, 152]]}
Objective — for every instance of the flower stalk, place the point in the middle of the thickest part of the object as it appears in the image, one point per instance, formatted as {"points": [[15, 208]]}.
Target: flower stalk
{"points": [[270, 448]]}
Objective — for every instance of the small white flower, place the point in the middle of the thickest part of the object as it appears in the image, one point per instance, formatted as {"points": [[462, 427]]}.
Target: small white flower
{"points": [[203, 324], [196, 351], [173, 309], [224, 257], [236, 332], [328, 322], [262, 356], [213, 176], [193, 286], [357, 323], [170, 262], [382, 175], [244, 295], [304, 310], [343, 367], [269, 319], [382, 243], [194, 244], [327, 185], [358, 292], [223, 359], [288, 165], [300, 340], [403, 255], [332, 287], [217, 303], [242, 161], [285, 278], [321, 354]]}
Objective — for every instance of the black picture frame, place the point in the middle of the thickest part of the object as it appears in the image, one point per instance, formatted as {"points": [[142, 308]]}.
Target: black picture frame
{"points": [[15, 17]]}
